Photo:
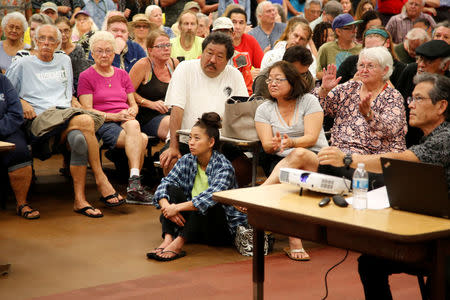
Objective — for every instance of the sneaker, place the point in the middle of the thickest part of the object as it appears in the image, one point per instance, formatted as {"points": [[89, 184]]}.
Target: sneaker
{"points": [[136, 193]]}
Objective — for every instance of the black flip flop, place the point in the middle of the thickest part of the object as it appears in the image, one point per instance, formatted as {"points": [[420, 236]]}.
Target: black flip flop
{"points": [[151, 255], [83, 212], [176, 256], [112, 196], [25, 214]]}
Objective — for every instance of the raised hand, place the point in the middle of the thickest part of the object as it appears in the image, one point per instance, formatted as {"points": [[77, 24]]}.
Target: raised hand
{"points": [[364, 105], [329, 80]]}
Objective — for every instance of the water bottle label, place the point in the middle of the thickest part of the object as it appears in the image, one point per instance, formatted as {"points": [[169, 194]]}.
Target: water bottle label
{"points": [[360, 183]]}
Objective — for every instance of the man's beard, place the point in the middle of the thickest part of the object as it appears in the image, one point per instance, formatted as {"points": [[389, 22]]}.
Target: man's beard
{"points": [[189, 36]]}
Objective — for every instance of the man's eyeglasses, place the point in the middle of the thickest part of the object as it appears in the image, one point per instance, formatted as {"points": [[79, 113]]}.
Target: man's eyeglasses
{"points": [[162, 46], [50, 40], [275, 81], [416, 99]]}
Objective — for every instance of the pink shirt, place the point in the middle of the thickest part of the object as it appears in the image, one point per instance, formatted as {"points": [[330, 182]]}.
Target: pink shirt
{"points": [[109, 94]]}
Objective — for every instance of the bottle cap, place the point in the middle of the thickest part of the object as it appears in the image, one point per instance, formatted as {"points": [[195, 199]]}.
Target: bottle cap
{"points": [[361, 165]]}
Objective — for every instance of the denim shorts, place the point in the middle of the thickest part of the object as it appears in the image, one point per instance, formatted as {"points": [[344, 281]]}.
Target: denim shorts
{"points": [[151, 127], [109, 133]]}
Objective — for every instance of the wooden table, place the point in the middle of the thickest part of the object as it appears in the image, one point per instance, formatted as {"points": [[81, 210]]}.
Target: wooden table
{"points": [[387, 233], [5, 146], [251, 146]]}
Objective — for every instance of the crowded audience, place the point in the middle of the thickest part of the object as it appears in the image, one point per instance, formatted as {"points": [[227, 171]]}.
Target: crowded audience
{"points": [[174, 67]]}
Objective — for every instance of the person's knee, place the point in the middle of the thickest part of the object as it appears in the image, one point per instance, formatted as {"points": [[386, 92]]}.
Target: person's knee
{"points": [[132, 126], [144, 140], [79, 148], [303, 158], [83, 122]]}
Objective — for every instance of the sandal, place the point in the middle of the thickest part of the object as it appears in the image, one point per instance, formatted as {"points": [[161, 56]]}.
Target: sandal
{"points": [[112, 196], [83, 211], [26, 214], [289, 252], [151, 255]]}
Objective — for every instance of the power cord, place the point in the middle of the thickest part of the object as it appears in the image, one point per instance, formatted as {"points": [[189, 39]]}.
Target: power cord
{"points": [[326, 274]]}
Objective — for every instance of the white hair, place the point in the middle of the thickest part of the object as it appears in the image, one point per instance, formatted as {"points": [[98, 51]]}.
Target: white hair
{"points": [[15, 15], [309, 2], [58, 34], [260, 8], [102, 36], [381, 56], [75, 29], [150, 8]]}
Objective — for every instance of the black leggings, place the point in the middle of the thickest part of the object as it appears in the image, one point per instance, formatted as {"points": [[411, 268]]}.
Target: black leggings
{"points": [[210, 228]]}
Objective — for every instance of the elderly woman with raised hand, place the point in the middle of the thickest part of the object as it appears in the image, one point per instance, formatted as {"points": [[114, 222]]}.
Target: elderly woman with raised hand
{"points": [[13, 25], [140, 28], [154, 15], [108, 90], [293, 119], [150, 77], [373, 37], [75, 52]]}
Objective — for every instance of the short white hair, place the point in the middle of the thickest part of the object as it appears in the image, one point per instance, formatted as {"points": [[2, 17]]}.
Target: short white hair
{"points": [[418, 34], [15, 15], [260, 8], [309, 2], [381, 56], [150, 8], [58, 34], [102, 36]]}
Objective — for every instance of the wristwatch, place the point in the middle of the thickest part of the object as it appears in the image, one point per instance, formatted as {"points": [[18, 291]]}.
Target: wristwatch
{"points": [[348, 160]]}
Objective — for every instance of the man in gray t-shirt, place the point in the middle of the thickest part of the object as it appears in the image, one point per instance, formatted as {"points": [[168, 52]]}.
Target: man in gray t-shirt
{"points": [[45, 81], [268, 31]]}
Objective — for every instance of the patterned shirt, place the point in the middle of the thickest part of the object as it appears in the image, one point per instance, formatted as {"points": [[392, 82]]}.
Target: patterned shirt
{"points": [[435, 149], [399, 25], [7, 6], [351, 133], [221, 177]]}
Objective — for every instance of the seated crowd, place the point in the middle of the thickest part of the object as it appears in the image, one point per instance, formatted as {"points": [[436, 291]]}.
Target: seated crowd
{"points": [[377, 81]]}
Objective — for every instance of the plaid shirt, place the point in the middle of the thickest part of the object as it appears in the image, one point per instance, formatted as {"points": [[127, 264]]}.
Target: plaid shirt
{"points": [[221, 177], [399, 25]]}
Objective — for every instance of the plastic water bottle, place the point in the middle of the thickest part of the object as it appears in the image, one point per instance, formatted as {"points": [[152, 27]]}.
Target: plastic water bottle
{"points": [[360, 187]]}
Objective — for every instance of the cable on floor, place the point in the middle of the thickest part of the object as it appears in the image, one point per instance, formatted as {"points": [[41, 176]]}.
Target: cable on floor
{"points": [[326, 274]]}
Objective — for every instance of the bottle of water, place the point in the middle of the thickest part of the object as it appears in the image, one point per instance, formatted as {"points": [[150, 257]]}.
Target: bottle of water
{"points": [[360, 187]]}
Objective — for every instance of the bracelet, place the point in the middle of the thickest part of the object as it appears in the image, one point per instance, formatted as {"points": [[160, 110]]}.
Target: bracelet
{"points": [[142, 101], [105, 116]]}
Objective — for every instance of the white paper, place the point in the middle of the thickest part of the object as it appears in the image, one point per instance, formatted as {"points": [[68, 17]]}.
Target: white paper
{"points": [[376, 199]]}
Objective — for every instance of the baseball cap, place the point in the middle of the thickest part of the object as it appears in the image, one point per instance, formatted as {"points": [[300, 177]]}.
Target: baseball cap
{"points": [[434, 49], [222, 23], [49, 5], [81, 12], [344, 20], [192, 4]]}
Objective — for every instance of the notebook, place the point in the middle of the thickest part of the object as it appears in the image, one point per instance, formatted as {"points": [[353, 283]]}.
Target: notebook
{"points": [[416, 187]]}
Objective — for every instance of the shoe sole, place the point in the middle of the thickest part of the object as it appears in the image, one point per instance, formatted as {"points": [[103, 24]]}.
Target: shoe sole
{"points": [[131, 199]]}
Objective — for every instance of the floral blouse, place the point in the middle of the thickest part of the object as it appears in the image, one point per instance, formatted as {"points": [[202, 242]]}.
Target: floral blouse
{"points": [[351, 133]]}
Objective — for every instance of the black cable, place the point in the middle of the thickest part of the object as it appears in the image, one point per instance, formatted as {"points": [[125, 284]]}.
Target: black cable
{"points": [[326, 274]]}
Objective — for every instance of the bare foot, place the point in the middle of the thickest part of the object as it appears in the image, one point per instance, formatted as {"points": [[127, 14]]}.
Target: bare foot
{"points": [[105, 188], [26, 208], [296, 249], [172, 249], [82, 204], [168, 239]]}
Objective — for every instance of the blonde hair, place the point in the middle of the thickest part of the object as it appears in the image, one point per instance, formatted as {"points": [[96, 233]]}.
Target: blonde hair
{"points": [[101, 36]]}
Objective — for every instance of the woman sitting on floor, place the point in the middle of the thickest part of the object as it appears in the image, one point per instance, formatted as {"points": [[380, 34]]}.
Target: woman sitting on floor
{"points": [[189, 214]]}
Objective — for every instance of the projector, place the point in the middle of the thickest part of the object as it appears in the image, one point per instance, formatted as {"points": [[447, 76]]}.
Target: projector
{"points": [[315, 182]]}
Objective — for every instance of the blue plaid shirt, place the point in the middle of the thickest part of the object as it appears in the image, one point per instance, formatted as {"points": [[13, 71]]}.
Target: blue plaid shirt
{"points": [[99, 10], [221, 177]]}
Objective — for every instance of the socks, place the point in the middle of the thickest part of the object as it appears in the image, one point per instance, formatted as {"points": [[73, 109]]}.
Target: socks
{"points": [[134, 172]]}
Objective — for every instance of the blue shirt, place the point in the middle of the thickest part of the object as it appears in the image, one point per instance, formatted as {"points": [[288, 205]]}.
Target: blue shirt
{"points": [[244, 3], [265, 40], [99, 10], [221, 177], [11, 113]]}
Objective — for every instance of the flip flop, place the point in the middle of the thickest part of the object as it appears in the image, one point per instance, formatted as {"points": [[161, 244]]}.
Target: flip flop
{"points": [[112, 196], [289, 252], [26, 214], [83, 212], [176, 256], [151, 255]]}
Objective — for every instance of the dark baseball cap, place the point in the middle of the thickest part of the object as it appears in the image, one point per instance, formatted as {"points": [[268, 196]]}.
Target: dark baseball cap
{"points": [[344, 20], [434, 49]]}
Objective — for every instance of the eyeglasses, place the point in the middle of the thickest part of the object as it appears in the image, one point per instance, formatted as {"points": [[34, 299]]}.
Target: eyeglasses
{"points": [[65, 31], [275, 81], [103, 51], [162, 46], [49, 39], [416, 99], [14, 27], [143, 26], [369, 67]]}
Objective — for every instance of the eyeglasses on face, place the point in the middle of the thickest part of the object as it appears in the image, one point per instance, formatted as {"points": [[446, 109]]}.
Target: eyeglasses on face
{"points": [[103, 51], [369, 67], [416, 99], [275, 81], [162, 46], [49, 39]]}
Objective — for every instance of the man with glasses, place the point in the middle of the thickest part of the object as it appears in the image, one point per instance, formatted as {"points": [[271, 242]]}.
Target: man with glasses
{"points": [[337, 51], [430, 113], [43, 82], [431, 57], [399, 25]]}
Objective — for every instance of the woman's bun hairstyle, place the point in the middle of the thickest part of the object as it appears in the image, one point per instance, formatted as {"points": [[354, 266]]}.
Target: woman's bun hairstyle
{"points": [[211, 122]]}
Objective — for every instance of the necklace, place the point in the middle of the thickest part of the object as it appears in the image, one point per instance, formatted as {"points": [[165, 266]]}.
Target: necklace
{"points": [[108, 79]]}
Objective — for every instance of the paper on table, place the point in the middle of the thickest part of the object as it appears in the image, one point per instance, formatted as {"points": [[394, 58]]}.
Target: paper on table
{"points": [[376, 199]]}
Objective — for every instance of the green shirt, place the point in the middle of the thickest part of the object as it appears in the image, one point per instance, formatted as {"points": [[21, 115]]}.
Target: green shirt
{"points": [[193, 53], [330, 53], [200, 182]]}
